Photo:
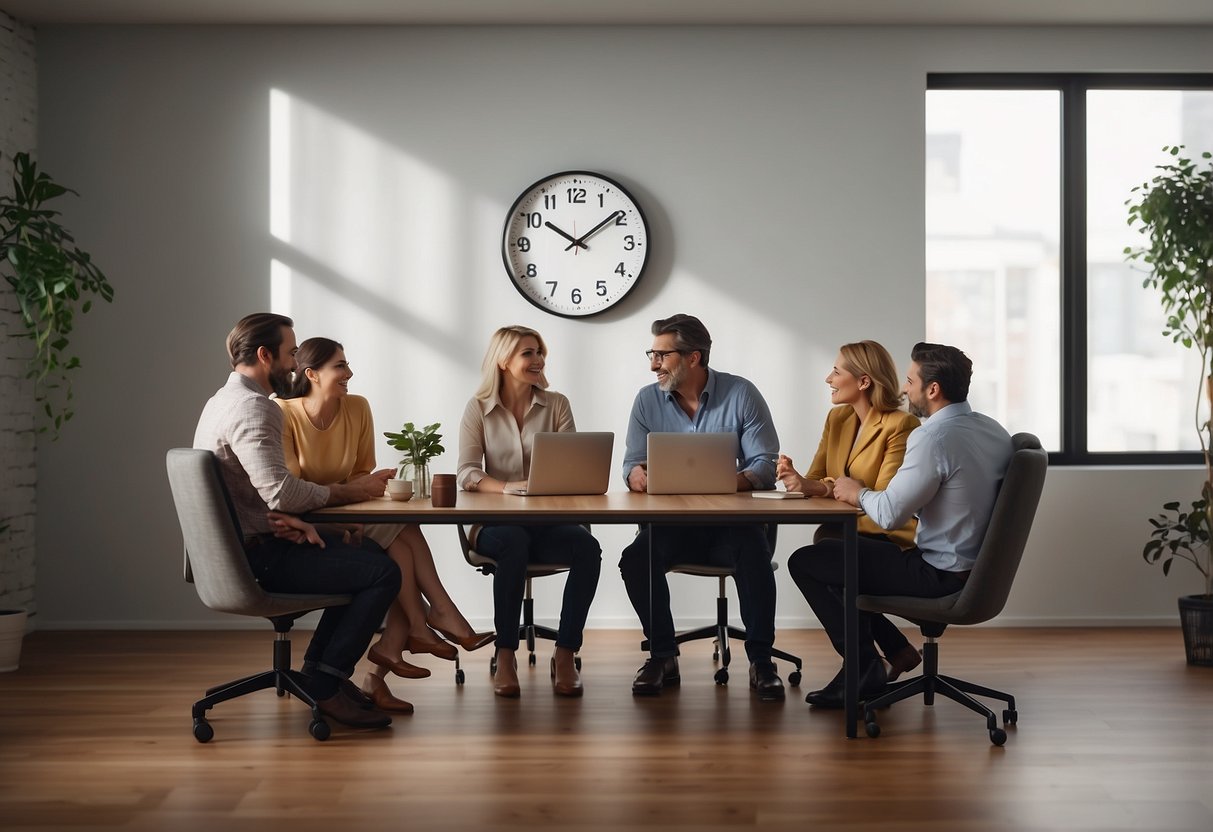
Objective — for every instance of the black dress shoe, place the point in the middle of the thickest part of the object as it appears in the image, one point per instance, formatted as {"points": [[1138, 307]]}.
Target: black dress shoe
{"points": [[656, 674], [765, 681], [872, 680]]}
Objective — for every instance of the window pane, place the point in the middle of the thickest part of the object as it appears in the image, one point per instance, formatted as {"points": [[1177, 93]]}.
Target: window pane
{"points": [[992, 246], [1129, 362]]}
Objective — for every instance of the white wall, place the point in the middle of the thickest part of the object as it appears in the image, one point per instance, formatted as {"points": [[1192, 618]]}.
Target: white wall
{"points": [[781, 171]]}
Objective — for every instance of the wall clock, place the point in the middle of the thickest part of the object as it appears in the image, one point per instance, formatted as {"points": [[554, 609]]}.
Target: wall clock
{"points": [[575, 243]]}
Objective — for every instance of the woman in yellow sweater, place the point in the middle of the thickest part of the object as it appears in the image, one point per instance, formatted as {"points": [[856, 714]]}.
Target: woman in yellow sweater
{"points": [[865, 438], [328, 437]]}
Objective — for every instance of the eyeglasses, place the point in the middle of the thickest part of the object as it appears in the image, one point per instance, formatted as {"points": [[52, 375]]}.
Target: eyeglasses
{"points": [[659, 355]]}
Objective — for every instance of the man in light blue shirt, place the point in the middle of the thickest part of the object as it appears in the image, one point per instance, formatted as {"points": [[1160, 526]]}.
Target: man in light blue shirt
{"points": [[953, 468], [691, 398]]}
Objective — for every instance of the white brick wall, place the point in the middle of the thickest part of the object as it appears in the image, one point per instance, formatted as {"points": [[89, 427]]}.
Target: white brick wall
{"points": [[18, 112]]}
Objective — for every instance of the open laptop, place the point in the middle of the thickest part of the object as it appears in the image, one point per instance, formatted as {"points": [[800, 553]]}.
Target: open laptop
{"points": [[569, 463], [692, 463]]}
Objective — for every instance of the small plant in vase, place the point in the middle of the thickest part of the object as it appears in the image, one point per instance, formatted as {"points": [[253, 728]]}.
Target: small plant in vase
{"points": [[419, 447]]}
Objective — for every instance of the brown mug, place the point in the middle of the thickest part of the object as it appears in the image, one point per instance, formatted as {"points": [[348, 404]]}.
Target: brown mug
{"points": [[442, 491]]}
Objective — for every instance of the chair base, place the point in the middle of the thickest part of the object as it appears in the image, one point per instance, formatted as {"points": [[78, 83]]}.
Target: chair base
{"points": [[281, 678], [931, 682]]}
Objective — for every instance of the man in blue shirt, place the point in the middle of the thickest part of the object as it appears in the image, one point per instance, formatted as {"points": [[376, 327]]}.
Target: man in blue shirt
{"points": [[953, 468], [690, 398]]}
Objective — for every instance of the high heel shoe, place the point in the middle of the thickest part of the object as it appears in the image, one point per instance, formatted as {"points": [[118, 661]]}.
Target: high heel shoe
{"points": [[470, 642], [903, 661], [398, 666], [573, 688], [506, 690], [437, 647], [382, 697]]}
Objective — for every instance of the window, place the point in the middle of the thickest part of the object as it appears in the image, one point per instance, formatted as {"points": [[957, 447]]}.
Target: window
{"points": [[1026, 182]]}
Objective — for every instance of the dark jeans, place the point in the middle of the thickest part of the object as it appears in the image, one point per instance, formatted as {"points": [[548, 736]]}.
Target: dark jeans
{"points": [[884, 569], [364, 572], [743, 548], [513, 547]]}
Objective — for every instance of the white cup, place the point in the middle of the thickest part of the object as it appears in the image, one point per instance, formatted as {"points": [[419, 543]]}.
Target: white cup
{"points": [[401, 490]]}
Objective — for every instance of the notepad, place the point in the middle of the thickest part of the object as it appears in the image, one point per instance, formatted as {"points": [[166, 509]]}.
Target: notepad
{"points": [[777, 495]]}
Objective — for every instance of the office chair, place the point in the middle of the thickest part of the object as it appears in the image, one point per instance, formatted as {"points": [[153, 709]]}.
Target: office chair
{"points": [[983, 597], [216, 565], [528, 631], [722, 631]]}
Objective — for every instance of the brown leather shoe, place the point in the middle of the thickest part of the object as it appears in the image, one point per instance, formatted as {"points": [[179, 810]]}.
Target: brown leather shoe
{"points": [[437, 647], [469, 642], [381, 696], [572, 688], [655, 675], [903, 661], [506, 690], [341, 708], [398, 666]]}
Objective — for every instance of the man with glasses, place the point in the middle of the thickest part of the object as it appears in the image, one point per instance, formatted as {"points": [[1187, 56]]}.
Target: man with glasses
{"points": [[690, 397]]}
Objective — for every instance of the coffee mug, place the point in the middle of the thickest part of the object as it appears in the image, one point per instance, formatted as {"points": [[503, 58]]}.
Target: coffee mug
{"points": [[443, 490], [400, 489]]}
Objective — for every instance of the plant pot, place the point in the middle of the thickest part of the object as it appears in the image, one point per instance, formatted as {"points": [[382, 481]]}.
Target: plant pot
{"points": [[12, 631], [1196, 621]]}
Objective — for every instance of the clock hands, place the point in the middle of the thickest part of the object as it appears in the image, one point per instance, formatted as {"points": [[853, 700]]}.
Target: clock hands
{"points": [[568, 236], [580, 241]]}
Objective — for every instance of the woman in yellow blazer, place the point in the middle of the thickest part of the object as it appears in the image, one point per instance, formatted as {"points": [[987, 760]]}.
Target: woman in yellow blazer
{"points": [[864, 438]]}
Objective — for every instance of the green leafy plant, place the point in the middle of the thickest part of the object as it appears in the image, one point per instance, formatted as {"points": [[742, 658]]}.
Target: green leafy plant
{"points": [[50, 278], [1175, 212], [419, 446]]}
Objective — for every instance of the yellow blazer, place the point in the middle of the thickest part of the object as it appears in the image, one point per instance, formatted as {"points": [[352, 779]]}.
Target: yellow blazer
{"points": [[874, 459]]}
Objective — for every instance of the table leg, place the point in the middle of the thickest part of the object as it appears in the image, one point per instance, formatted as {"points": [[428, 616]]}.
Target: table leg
{"points": [[850, 538]]}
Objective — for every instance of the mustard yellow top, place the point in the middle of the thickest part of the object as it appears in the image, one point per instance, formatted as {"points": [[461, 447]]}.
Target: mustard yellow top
{"points": [[342, 451], [874, 458]]}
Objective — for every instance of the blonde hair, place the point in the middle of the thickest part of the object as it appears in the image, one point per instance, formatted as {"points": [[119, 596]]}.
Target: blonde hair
{"points": [[502, 347], [868, 358]]}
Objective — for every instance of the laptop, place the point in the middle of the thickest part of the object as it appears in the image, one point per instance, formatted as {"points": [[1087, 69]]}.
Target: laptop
{"points": [[568, 463], [692, 463]]}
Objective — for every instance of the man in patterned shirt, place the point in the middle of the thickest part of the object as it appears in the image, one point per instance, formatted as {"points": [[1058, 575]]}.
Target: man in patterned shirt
{"points": [[243, 428]]}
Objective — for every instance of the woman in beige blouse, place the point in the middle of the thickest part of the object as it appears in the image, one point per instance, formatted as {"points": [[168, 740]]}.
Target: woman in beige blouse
{"points": [[499, 423], [328, 438]]}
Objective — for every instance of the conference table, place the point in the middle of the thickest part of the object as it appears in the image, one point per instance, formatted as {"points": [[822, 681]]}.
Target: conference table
{"points": [[631, 507]]}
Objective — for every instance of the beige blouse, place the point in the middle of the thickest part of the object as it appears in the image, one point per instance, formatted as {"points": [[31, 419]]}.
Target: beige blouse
{"points": [[491, 444]]}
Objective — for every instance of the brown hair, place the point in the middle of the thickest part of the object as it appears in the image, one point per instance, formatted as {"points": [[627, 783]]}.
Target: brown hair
{"points": [[251, 333], [690, 335], [947, 366], [312, 355]]}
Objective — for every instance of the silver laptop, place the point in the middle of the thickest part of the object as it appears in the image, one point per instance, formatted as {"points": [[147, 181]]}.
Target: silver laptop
{"points": [[569, 463], [692, 463]]}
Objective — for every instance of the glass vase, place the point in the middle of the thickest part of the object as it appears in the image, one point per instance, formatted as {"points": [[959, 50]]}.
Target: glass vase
{"points": [[419, 473]]}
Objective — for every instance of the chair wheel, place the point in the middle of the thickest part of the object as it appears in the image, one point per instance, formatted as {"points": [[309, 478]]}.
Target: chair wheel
{"points": [[493, 665], [319, 729], [1010, 717], [872, 729], [281, 693], [460, 677], [531, 660], [998, 736], [794, 678], [203, 732], [715, 655], [722, 676]]}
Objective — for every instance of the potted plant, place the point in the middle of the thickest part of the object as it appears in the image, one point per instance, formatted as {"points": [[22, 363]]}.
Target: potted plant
{"points": [[419, 446], [51, 278], [1175, 211]]}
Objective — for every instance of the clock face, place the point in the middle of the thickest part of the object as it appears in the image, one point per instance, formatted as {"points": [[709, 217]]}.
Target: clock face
{"points": [[575, 243]]}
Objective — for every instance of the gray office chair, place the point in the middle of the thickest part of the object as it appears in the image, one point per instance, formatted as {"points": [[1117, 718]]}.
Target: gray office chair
{"points": [[722, 631], [983, 597], [528, 630], [217, 567]]}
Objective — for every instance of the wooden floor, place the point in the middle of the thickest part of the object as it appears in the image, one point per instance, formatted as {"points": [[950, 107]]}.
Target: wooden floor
{"points": [[1115, 733]]}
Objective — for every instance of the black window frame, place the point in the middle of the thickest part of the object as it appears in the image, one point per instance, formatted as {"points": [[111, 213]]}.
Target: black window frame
{"points": [[1073, 88]]}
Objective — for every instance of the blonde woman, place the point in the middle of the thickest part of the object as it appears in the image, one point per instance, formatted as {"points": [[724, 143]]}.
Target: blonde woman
{"points": [[499, 423], [864, 438], [328, 436]]}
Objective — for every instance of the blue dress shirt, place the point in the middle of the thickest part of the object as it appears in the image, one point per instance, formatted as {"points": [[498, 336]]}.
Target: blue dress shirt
{"points": [[728, 404], [953, 468]]}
